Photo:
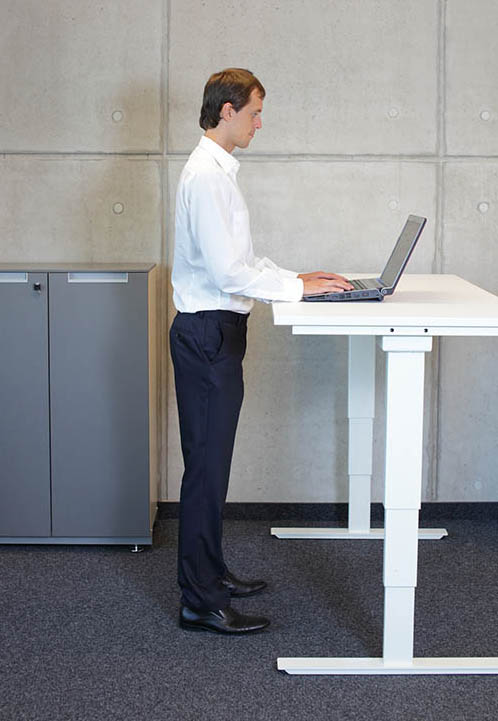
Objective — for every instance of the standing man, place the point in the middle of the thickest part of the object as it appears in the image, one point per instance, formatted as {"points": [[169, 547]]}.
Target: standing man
{"points": [[215, 278]]}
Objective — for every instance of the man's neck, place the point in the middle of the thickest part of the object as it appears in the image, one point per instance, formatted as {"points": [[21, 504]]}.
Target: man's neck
{"points": [[219, 137]]}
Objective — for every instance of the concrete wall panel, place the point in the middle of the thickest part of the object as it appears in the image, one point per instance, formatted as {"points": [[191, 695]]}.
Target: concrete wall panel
{"points": [[468, 420], [292, 439], [340, 77], [341, 215], [468, 389], [69, 65], [471, 222], [471, 71], [70, 209]]}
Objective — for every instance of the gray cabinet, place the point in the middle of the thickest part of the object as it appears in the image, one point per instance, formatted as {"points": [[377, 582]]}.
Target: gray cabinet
{"points": [[78, 451]]}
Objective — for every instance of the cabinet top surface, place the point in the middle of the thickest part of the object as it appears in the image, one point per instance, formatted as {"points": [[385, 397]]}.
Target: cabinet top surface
{"points": [[80, 267], [419, 300]]}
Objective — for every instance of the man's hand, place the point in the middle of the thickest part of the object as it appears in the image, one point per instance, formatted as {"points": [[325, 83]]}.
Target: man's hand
{"points": [[322, 282]]}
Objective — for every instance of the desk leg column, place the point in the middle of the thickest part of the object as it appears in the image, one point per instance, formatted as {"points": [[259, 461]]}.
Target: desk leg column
{"points": [[403, 488], [361, 412]]}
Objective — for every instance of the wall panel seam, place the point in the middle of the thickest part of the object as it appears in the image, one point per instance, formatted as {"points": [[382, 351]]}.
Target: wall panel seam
{"points": [[433, 486], [260, 158]]}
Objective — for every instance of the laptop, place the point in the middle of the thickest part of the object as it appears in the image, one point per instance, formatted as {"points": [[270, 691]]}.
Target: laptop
{"points": [[377, 288]]}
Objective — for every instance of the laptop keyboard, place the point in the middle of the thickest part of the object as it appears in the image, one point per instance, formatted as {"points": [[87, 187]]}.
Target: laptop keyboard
{"points": [[358, 284]]}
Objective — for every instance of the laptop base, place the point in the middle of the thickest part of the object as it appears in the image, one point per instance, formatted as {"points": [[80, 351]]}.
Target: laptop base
{"points": [[354, 295]]}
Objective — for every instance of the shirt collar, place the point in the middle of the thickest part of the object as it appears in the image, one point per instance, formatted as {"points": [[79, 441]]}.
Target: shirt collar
{"points": [[227, 161]]}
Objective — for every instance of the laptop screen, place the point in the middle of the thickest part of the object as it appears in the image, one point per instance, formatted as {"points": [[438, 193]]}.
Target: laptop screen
{"points": [[402, 250]]}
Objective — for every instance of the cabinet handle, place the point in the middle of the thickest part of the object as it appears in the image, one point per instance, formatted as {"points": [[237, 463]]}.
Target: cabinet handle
{"points": [[97, 277], [13, 277], [37, 287]]}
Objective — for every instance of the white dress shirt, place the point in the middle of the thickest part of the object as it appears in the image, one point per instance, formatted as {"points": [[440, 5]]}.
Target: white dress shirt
{"points": [[214, 266]]}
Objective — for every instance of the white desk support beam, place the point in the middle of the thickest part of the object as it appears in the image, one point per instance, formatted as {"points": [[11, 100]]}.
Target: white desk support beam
{"points": [[361, 413], [402, 490], [402, 497]]}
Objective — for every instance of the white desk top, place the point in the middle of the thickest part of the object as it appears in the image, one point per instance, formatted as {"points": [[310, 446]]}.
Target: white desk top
{"points": [[431, 305]]}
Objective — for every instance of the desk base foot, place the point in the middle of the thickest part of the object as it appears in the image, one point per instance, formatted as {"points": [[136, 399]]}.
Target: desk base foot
{"points": [[377, 666], [345, 533]]}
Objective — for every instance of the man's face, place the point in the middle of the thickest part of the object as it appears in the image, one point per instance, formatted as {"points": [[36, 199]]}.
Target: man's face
{"points": [[244, 124]]}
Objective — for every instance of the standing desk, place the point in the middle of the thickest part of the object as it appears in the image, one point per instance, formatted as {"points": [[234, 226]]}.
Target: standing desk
{"points": [[423, 307]]}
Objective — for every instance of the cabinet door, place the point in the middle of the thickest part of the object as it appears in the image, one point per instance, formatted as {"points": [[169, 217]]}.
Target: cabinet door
{"points": [[24, 419], [99, 404]]}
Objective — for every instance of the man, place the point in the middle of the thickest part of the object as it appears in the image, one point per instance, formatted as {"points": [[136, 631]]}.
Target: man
{"points": [[215, 278]]}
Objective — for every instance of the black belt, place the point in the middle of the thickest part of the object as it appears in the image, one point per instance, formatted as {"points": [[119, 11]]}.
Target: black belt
{"points": [[227, 316]]}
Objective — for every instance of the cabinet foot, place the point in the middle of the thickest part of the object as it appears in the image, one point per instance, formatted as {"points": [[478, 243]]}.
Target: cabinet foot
{"points": [[136, 549]]}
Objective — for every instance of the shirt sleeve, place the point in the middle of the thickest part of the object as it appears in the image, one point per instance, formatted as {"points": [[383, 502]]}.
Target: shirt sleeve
{"points": [[267, 263], [222, 252]]}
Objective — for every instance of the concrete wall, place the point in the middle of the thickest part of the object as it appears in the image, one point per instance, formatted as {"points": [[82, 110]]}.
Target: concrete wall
{"points": [[373, 110]]}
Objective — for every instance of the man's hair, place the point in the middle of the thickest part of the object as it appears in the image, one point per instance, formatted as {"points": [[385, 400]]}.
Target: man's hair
{"points": [[233, 85]]}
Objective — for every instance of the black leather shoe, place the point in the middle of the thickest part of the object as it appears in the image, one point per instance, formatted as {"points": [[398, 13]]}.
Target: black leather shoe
{"points": [[227, 620], [240, 589]]}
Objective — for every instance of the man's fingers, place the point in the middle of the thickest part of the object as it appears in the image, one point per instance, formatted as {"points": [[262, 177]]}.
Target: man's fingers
{"points": [[314, 285], [320, 275], [333, 276], [340, 285]]}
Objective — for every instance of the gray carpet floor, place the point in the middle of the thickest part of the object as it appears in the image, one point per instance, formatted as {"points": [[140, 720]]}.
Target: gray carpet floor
{"points": [[90, 633]]}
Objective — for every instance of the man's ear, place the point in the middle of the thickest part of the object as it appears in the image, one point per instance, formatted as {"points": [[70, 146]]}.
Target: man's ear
{"points": [[227, 111]]}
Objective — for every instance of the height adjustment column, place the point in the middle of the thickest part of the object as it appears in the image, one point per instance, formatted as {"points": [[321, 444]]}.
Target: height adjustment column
{"points": [[403, 489], [361, 412]]}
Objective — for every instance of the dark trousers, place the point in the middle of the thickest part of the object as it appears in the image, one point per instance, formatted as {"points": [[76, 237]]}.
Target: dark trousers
{"points": [[207, 349]]}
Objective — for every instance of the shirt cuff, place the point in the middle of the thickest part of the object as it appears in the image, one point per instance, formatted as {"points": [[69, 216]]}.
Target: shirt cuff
{"points": [[293, 289]]}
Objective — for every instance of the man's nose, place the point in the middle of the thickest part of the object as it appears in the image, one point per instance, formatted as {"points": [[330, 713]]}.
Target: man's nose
{"points": [[258, 124]]}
